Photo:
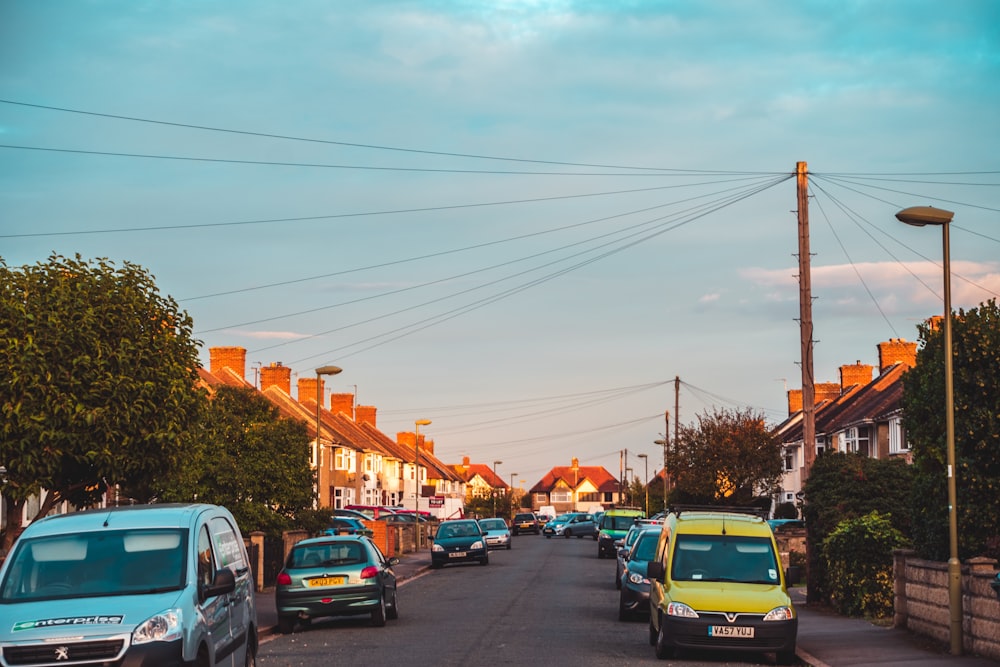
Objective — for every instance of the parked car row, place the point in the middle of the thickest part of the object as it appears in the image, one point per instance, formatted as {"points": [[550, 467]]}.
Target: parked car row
{"points": [[705, 579]]}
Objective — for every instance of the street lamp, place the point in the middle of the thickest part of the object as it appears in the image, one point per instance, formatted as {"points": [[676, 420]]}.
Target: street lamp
{"points": [[664, 442], [322, 370], [919, 216], [495, 464], [416, 479], [645, 481], [512, 492]]}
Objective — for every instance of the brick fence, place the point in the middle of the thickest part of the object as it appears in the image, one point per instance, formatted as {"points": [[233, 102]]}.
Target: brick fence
{"points": [[920, 589]]}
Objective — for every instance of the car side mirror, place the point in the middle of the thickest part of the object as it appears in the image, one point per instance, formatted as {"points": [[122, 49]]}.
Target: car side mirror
{"points": [[224, 582], [654, 570], [392, 561]]}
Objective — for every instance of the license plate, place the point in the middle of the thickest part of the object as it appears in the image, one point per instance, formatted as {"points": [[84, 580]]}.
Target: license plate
{"points": [[326, 581], [457, 554], [740, 631]]}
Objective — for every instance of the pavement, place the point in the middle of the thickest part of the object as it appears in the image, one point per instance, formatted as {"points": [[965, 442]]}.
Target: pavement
{"points": [[826, 639]]}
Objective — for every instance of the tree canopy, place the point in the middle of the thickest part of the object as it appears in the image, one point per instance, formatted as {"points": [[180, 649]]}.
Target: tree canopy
{"points": [[976, 377], [100, 387], [729, 457], [258, 462]]}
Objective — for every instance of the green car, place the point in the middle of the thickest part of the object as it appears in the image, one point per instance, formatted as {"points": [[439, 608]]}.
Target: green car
{"points": [[336, 575], [613, 527]]}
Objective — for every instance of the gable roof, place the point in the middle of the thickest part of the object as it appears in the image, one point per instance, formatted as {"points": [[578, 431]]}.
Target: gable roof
{"points": [[598, 476]]}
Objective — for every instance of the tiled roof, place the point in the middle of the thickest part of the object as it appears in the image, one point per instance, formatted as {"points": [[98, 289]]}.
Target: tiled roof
{"points": [[574, 477]]}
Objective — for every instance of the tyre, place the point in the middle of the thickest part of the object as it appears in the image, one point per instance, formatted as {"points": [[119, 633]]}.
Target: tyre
{"points": [[250, 659], [286, 624], [663, 650], [600, 554], [392, 611], [508, 546], [652, 632], [618, 580], [547, 536], [623, 614], [485, 561], [378, 613], [786, 657], [567, 533]]}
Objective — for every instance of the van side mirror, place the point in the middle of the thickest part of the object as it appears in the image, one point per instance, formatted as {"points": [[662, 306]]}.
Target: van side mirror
{"points": [[225, 582], [655, 570]]}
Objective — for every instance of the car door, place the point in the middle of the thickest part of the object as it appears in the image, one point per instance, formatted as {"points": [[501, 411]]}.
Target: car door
{"points": [[231, 554], [214, 609]]}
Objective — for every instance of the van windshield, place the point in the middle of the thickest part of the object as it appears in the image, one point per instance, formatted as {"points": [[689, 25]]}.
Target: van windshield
{"points": [[119, 562], [741, 559]]}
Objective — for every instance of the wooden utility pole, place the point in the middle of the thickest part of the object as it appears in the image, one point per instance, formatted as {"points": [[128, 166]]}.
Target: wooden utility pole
{"points": [[677, 407], [806, 325]]}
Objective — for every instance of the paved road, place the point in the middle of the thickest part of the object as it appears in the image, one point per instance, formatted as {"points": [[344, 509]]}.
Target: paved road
{"points": [[543, 602]]}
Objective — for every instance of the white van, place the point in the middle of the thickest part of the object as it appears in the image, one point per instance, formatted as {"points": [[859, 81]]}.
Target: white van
{"points": [[137, 585]]}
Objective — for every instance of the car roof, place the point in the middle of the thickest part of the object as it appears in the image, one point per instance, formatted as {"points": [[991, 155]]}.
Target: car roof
{"points": [[714, 522], [164, 515], [326, 539]]}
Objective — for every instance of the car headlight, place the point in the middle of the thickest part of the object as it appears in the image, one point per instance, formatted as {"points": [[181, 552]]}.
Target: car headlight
{"points": [[478, 544], [163, 627], [780, 614], [437, 547], [637, 578], [603, 536], [682, 610]]}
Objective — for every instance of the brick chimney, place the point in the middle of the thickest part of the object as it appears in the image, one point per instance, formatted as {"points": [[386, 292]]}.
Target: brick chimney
{"points": [[307, 389], [343, 403], [365, 414], [234, 358], [276, 375], [822, 391], [896, 351], [857, 373]]}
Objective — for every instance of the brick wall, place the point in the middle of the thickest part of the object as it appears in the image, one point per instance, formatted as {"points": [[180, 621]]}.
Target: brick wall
{"points": [[921, 599], [234, 358], [894, 351], [276, 375], [853, 374]]}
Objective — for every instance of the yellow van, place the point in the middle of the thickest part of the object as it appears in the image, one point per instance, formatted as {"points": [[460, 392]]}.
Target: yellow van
{"points": [[716, 583]]}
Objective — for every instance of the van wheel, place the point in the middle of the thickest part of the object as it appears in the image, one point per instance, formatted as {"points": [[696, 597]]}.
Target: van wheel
{"points": [[663, 650], [251, 659], [286, 624], [652, 632], [378, 614], [202, 659]]}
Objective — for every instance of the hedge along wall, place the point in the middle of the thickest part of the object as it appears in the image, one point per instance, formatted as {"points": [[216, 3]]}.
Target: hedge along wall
{"points": [[920, 589]]}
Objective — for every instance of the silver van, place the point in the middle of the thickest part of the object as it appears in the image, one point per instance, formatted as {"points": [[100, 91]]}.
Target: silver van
{"points": [[138, 585]]}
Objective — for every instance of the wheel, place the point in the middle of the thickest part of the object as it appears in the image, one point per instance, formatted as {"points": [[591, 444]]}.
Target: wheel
{"points": [[250, 659], [594, 536], [785, 657], [547, 536], [600, 554], [485, 561], [618, 581], [652, 632], [567, 533], [378, 613], [508, 546], [392, 610], [623, 614], [286, 624], [663, 650]]}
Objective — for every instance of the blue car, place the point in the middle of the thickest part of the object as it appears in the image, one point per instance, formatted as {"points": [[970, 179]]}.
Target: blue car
{"points": [[633, 600], [459, 541]]}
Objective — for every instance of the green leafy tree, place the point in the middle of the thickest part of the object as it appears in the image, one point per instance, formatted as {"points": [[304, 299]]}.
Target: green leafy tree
{"points": [[729, 457], [844, 486], [976, 377], [257, 462], [100, 385]]}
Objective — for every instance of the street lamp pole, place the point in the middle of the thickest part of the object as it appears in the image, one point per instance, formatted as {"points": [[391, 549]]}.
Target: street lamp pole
{"points": [[512, 492], [645, 482], [918, 216], [321, 371], [495, 464], [416, 480], [628, 485]]}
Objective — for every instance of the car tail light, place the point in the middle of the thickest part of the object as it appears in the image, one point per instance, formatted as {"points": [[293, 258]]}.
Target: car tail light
{"points": [[369, 572], [284, 579]]}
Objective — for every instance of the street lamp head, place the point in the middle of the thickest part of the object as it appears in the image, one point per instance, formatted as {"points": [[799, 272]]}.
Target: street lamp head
{"points": [[918, 216], [422, 422], [642, 456], [659, 442], [327, 370]]}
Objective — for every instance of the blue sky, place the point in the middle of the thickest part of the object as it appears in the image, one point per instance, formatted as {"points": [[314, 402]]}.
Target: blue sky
{"points": [[521, 220]]}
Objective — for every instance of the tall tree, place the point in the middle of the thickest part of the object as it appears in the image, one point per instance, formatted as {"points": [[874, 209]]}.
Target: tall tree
{"points": [[257, 462], [100, 384], [728, 457], [976, 373]]}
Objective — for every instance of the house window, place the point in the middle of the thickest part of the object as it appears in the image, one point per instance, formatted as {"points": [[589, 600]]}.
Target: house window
{"points": [[789, 497], [590, 497], [789, 462], [344, 459], [562, 496], [854, 439], [342, 496], [897, 437], [541, 499]]}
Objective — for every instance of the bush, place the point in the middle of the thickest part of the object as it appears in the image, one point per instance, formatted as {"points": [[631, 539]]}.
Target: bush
{"points": [[858, 559]]}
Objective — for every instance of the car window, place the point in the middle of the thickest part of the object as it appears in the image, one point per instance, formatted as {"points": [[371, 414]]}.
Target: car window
{"points": [[645, 547], [326, 553], [724, 558], [492, 524]]}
